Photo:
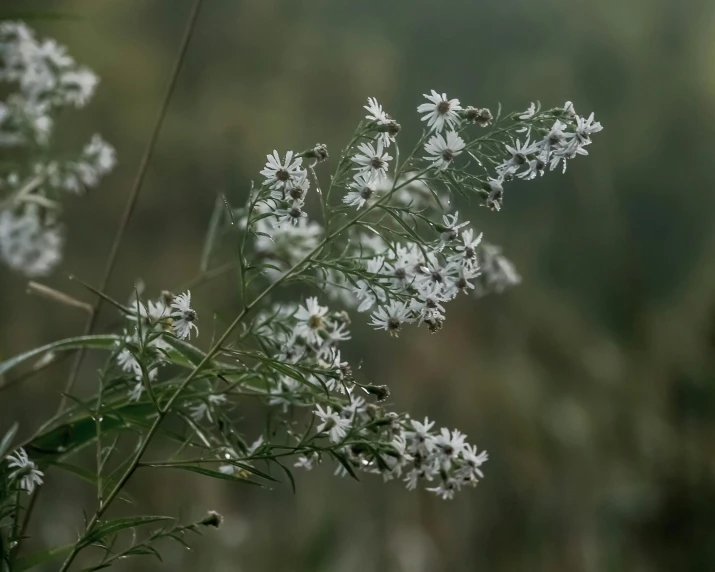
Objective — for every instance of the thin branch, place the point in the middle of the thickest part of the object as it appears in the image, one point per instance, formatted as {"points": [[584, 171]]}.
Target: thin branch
{"points": [[134, 194]]}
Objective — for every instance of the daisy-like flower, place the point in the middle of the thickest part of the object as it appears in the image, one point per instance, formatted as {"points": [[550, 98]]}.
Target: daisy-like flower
{"points": [[388, 128], [282, 174], [462, 282], [296, 191], [311, 320], [372, 161], [449, 445], [422, 439], [183, 316], [519, 157], [443, 150], [468, 249], [336, 426], [474, 461], [362, 189], [446, 489], [375, 111], [291, 216], [440, 111], [496, 194], [450, 230], [25, 470], [391, 317]]}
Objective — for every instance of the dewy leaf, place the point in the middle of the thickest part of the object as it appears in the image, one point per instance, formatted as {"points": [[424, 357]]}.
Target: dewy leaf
{"points": [[105, 342], [118, 525]]}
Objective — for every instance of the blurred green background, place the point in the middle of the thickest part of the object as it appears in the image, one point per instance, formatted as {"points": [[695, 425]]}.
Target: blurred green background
{"points": [[592, 385]]}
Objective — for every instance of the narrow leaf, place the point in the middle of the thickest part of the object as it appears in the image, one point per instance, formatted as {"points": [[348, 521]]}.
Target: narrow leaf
{"points": [[102, 342], [118, 525]]}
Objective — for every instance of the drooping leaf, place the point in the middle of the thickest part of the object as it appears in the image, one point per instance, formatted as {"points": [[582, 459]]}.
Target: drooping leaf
{"points": [[101, 342]]}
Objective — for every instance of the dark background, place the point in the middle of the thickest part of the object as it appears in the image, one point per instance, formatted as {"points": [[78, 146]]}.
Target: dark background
{"points": [[591, 384]]}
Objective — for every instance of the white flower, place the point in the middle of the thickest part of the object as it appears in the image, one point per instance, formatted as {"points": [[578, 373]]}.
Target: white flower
{"points": [[445, 490], [519, 157], [282, 175], [468, 249], [291, 216], [375, 112], [381, 119], [440, 111], [311, 320], [203, 409], [30, 242], [308, 461], [529, 113], [443, 150], [391, 317], [135, 392], [474, 461], [362, 189], [25, 470], [451, 228], [422, 439], [296, 191], [331, 422], [183, 316], [449, 445], [372, 161]]}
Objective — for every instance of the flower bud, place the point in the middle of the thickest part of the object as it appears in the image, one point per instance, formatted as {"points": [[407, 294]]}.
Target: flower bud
{"points": [[319, 153], [481, 117], [212, 519]]}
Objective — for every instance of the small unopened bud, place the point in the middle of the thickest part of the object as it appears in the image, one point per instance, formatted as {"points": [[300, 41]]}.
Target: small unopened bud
{"points": [[381, 392], [481, 117], [212, 519], [319, 153], [167, 296]]}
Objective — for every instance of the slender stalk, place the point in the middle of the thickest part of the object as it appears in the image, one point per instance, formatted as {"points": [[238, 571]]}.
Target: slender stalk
{"points": [[134, 193]]}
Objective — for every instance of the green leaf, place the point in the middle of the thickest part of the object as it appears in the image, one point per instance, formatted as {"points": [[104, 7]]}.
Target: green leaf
{"points": [[118, 525], [7, 440], [41, 557], [105, 342], [342, 459], [208, 473]]}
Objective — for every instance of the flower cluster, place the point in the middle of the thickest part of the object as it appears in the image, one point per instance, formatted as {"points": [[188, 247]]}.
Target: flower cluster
{"points": [[145, 343], [562, 141], [309, 372], [43, 79], [288, 184]]}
